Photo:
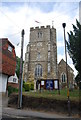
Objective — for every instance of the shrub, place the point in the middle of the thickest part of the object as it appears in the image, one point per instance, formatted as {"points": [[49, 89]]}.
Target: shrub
{"points": [[32, 86], [23, 89], [11, 90], [27, 86], [23, 83]]}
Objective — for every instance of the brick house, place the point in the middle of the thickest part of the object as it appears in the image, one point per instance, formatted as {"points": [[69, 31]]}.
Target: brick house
{"points": [[7, 62], [62, 74]]}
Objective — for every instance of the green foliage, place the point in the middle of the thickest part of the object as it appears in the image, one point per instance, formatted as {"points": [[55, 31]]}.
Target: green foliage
{"points": [[27, 86], [77, 79], [32, 86], [11, 90], [23, 89], [53, 94], [18, 66], [23, 83], [74, 46]]}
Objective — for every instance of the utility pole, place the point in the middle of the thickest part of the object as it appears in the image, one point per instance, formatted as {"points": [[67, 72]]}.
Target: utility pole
{"points": [[21, 71], [64, 25]]}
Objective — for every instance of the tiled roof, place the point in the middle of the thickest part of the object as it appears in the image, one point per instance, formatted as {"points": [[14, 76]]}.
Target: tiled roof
{"points": [[7, 58], [63, 62]]}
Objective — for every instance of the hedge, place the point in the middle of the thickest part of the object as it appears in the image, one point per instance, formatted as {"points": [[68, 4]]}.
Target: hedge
{"points": [[32, 86], [28, 86], [11, 90]]}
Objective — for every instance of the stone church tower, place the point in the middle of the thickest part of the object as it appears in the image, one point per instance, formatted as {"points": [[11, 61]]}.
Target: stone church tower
{"points": [[41, 55]]}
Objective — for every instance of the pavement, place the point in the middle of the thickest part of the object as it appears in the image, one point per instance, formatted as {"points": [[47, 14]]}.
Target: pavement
{"points": [[21, 113], [27, 113]]}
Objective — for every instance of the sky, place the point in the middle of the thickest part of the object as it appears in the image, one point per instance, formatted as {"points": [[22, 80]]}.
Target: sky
{"points": [[15, 16]]}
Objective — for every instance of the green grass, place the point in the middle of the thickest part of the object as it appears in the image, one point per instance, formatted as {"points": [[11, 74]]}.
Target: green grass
{"points": [[74, 95]]}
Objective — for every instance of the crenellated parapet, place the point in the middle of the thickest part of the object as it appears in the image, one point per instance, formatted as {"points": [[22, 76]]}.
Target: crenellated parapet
{"points": [[41, 27]]}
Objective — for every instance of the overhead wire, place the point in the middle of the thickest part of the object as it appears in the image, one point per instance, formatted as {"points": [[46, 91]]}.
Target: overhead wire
{"points": [[11, 35], [10, 19], [24, 23]]}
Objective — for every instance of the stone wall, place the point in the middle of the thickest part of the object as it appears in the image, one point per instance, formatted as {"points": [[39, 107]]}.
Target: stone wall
{"points": [[42, 40], [62, 69]]}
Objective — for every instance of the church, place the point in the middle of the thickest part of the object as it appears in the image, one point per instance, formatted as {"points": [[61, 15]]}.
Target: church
{"points": [[40, 65]]}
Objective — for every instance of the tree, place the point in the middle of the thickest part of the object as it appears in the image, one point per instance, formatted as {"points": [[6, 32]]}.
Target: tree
{"points": [[17, 66], [74, 47], [77, 79]]}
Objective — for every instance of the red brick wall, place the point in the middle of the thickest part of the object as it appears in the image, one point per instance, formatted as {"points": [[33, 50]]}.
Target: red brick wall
{"points": [[14, 85]]}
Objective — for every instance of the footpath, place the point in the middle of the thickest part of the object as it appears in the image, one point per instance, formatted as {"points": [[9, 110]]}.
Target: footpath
{"points": [[21, 113]]}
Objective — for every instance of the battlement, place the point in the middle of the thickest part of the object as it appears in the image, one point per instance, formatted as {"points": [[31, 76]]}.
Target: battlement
{"points": [[41, 27]]}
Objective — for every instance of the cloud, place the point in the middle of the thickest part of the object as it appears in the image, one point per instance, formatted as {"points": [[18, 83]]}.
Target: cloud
{"points": [[18, 16]]}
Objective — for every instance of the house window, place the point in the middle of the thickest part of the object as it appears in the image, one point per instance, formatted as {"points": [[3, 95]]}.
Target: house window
{"points": [[63, 78], [38, 71], [9, 48], [48, 67], [14, 79]]}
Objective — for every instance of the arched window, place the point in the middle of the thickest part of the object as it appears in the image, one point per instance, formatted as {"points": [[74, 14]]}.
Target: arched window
{"points": [[38, 71], [63, 78]]}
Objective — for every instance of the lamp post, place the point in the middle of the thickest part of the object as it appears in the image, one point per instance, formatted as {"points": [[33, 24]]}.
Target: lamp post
{"points": [[21, 71], [64, 25]]}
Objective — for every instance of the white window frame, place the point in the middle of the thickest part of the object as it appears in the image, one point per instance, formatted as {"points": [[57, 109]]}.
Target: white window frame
{"points": [[9, 48], [14, 80]]}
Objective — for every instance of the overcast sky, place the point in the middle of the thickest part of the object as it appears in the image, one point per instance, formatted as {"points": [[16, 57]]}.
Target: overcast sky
{"points": [[15, 16]]}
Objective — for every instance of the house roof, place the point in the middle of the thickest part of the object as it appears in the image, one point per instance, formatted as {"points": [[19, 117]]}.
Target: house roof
{"points": [[8, 58], [63, 62]]}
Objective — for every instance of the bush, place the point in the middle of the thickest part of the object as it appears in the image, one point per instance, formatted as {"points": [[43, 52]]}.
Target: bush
{"points": [[23, 83], [23, 89], [11, 90], [32, 86], [27, 86]]}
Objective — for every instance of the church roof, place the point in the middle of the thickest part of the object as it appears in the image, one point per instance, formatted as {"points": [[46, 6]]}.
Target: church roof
{"points": [[63, 62]]}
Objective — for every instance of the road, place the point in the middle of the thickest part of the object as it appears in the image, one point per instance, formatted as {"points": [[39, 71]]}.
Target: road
{"points": [[26, 114], [32, 115]]}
